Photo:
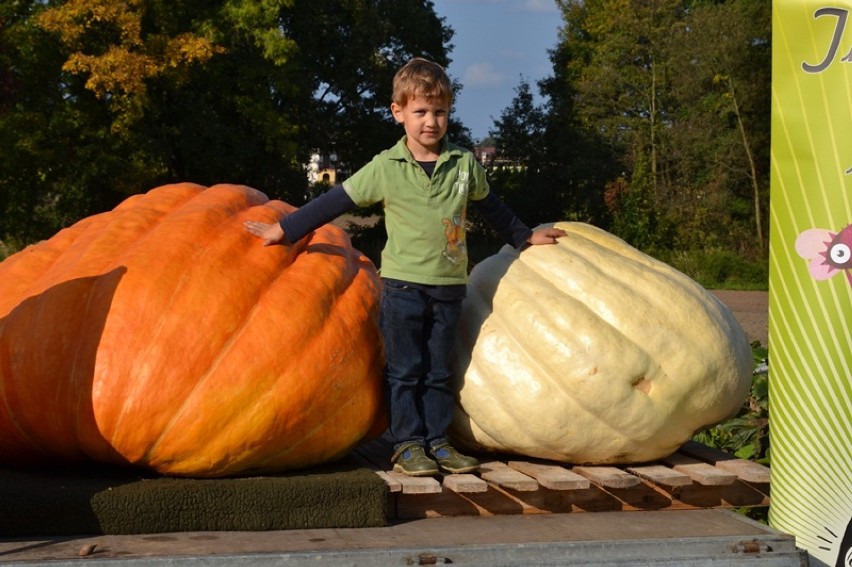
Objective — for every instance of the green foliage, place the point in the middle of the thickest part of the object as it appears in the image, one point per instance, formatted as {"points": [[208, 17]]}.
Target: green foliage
{"points": [[101, 99], [680, 99], [538, 175], [6, 250], [636, 221], [718, 268], [655, 124]]}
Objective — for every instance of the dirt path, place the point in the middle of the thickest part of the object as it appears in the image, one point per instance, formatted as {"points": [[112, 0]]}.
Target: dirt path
{"points": [[751, 309]]}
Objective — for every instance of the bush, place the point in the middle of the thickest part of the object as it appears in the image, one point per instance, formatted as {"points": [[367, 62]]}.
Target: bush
{"points": [[7, 248], [719, 269]]}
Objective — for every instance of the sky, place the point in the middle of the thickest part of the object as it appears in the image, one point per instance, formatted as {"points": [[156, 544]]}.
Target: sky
{"points": [[497, 43]]}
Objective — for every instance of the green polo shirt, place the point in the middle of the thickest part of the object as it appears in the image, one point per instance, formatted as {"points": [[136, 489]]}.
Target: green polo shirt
{"points": [[425, 218]]}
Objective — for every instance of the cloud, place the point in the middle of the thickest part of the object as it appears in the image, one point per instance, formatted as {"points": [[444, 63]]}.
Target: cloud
{"points": [[482, 75], [537, 6]]}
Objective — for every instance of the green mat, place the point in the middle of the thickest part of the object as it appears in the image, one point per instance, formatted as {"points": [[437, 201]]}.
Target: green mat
{"points": [[99, 500]]}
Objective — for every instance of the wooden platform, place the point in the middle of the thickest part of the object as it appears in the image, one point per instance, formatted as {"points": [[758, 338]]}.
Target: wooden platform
{"points": [[694, 477]]}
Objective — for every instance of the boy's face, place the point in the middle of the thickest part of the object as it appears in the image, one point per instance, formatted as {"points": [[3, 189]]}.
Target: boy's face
{"points": [[425, 121]]}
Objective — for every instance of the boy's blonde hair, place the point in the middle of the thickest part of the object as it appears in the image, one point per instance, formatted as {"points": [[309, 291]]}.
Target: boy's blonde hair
{"points": [[424, 78]]}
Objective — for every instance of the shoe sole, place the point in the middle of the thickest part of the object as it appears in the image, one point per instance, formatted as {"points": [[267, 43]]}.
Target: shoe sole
{"points": [[428, 472]]}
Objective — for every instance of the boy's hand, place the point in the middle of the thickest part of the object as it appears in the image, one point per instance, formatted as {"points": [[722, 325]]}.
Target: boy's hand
{"points": [[546, 235], [269, 233]]}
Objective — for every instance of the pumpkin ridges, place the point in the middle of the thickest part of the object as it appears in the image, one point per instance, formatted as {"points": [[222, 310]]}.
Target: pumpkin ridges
{"points": [[95, 247], [51, 270], [518, 304], [364, 396], [586, 245], [21, 271], [86, 257], [288, 431], [296, 374], [645, 306], [89, 439], [627, 302], [222, 351], [120, 312], [27, 390], [310, 285], [123, 230], [68, 254], [146, 217], [193, 238], [610, 293], [537, 305], [27, 393]]}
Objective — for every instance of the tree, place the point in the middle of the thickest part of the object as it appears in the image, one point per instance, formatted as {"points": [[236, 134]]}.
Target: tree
{"points": [[624, 87], [581, 160], [616, 72], [678, 94], [515, 172], [723, 91], [105, 98], [348, 54]]}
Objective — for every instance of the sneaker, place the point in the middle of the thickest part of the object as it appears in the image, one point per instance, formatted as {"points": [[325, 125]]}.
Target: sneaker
{"points": [[452, 461], [411, 459]]}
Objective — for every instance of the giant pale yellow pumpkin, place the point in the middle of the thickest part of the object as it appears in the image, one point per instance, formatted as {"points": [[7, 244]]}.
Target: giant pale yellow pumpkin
{"points": [[162, 335], [589, 351]]}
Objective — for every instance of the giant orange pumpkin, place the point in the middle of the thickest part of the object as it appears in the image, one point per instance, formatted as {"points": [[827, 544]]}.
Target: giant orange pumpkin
{"points": [[161, 334]]}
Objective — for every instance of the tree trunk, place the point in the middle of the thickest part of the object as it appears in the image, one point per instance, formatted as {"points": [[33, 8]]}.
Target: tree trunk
{"points": [[752, 168]]}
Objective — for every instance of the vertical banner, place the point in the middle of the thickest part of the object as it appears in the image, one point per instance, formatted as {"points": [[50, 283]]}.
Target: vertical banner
{"points": [[810, 280]]}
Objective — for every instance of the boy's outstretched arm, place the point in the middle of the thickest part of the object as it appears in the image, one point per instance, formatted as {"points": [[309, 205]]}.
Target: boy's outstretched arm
{"points": [[294, 226], [510, 227], [546, 235]]}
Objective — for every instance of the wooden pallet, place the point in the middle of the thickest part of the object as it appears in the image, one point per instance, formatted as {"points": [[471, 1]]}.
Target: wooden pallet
{"points": [[695, 476]]}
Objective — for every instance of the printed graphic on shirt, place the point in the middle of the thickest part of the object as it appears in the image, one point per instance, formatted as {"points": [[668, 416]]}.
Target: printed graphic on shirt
{"points": [[455, 250], [462, 183]]}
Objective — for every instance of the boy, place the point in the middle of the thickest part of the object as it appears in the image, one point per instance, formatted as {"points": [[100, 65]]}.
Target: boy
{"points": [[424, 184]]}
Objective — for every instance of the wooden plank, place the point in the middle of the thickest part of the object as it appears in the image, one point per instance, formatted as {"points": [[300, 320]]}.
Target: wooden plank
{"points": [[416, 484], [445, 504], [393, 484], [608, 477], [737, 495], [448, 503], [661, 475], [746, 470], [465, 483], [501, 475], [551, 476], [699, 471]]}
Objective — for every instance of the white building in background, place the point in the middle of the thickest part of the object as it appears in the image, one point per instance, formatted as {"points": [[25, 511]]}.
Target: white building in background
{"points": [[322, 169]]}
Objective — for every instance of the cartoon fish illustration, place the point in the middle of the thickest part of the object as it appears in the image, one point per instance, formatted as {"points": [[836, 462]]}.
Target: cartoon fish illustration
{"points": [[829, 252]]}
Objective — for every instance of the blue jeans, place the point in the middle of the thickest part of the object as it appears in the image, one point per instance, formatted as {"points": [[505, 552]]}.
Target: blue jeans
{"points": [[419, 333]]}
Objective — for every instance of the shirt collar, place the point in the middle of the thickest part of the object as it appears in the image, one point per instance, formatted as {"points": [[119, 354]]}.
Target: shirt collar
{"points": [[400, 151]]}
